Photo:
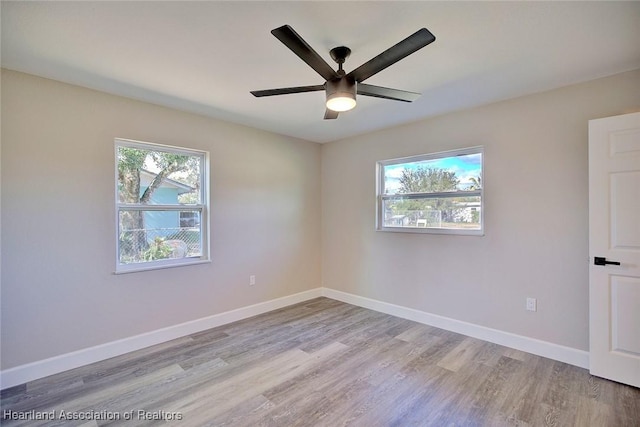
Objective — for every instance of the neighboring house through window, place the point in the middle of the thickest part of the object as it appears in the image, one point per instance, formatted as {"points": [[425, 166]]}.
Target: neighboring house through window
{"points": [[162, 206], [432, 193]]}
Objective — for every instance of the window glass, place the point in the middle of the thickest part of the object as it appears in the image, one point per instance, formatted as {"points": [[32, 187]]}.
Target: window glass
{"points": [[439, 192], [160, 204]]}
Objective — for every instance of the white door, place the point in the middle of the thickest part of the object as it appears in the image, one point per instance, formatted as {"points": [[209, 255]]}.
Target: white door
{"points": [[614, 237]]}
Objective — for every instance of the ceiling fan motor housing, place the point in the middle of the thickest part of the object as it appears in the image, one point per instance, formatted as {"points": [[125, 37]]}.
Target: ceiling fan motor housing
{"points": [[341, 93]]}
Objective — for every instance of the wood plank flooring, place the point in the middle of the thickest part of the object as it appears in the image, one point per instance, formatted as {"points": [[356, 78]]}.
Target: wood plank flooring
{"points": [[324, 363]]}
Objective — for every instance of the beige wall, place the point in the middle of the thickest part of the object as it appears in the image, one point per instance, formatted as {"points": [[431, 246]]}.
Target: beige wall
{"points": [[536, 215], [59, 293]]}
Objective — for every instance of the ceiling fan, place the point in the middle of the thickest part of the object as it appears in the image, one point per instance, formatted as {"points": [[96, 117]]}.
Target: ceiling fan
{"points": [[341, 87]]}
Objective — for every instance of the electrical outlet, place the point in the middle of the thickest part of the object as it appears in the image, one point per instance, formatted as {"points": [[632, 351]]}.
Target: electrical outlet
{"points": [[532, 304], [252, 280]]}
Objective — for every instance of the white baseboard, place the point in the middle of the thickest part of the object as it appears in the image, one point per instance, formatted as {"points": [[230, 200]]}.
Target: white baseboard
{"points": [[561, 353], [43, 368]]}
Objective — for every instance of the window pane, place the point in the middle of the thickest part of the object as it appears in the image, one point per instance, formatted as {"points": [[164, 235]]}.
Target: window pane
{"points": [[153, 176], [455, 173], [149, 235], [189, 219], [450, 212]]}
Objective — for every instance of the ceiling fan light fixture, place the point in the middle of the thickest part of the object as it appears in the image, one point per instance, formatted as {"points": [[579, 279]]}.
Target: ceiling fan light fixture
{"points": [[341, 103], [341, 95]]}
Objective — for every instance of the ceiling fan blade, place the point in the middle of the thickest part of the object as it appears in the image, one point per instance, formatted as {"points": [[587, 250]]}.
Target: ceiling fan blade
{"points": [[406, 47], [330, 114], [293, 41], [286, 90], [386, 93]]}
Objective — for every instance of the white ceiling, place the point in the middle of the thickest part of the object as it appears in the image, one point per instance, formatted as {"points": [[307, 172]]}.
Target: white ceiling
{"points": [[205, 57]]}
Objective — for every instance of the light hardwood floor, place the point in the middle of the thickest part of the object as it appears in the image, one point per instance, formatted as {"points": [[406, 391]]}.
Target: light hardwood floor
{"points": [[326, 363]]}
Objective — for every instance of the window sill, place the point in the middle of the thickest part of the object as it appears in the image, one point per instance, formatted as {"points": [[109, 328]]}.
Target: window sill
{"points": [[445, 231], [135, 268]]}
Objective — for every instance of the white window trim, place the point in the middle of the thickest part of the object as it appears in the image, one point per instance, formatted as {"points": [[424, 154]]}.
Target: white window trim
{"points": [[380, 165], [203, 207]]}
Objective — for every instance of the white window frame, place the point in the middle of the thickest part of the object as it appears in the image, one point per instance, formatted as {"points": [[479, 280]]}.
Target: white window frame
{"points": [[380, 165], [202, 207]]}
